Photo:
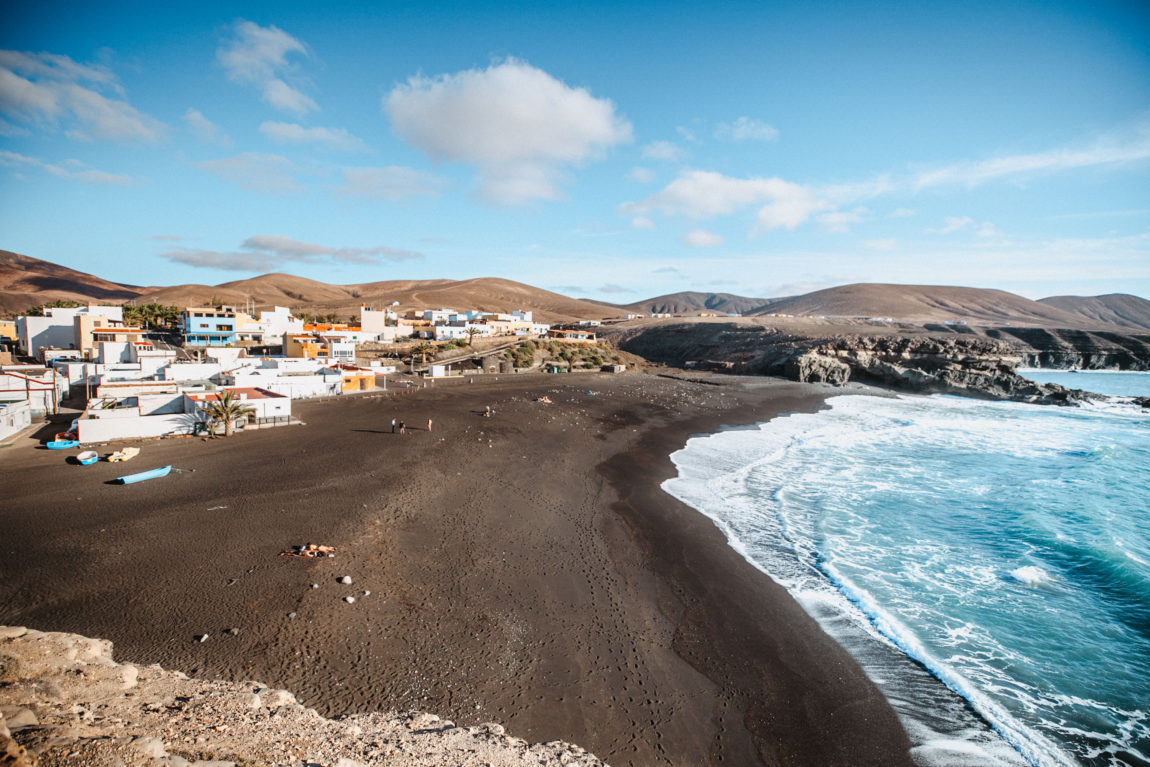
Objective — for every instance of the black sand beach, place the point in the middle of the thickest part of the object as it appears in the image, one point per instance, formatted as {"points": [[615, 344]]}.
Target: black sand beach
{"points": [[524, 568]]}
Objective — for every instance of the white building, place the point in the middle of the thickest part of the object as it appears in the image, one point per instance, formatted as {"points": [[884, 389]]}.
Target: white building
{"points": [[57, 327], [14, 417]]}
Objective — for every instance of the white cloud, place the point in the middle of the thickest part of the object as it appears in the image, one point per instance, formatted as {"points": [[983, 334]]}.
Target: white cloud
{"points": [[517, 125], [390, 183], [840, 221], [746, 129], [902, 213], [1113, 148], [686, 134], [265, 173], [76, 170], [952, 224], [642, 222], [664, 150], [988, 230], [612, 288], [325, 138], [641, 175], [258, 56], [47, 90], [204, 129], [701, 194], [886, 244], [701, 238], [267, 252]]}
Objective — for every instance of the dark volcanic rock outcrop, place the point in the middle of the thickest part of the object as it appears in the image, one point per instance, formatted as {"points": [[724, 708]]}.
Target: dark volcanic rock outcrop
{"points": [[970, 365]]}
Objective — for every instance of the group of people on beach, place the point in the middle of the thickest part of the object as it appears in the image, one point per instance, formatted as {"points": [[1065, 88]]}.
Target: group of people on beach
{"points": [[402, 426]]}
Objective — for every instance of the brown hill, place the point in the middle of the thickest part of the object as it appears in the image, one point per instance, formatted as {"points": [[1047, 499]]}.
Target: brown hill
{"points": [[691, 302], [926, 303], [27, 282], [1119, 309]]}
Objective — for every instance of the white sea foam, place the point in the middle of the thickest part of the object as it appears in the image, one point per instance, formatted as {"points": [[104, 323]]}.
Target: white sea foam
{"points": [[1031, 575]]}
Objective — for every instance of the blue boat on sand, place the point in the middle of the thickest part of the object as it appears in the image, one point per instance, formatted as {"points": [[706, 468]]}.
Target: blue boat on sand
{"points": [[152, 474], [62, 444]]}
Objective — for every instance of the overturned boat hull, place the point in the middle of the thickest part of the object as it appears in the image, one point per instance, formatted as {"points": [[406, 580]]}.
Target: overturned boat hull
{"points": [[153, 474]]}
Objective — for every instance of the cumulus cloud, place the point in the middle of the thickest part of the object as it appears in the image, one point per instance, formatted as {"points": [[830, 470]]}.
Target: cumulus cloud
{"points": [[204, 129], [664, 150], [75, 170], [746, 129], [642, 222], [705, 194], [46, 90], [325, 138], [701, 238], [641, 175], [258, 56], [390, 183], [264, 173], [517, 125], [268, 252]]}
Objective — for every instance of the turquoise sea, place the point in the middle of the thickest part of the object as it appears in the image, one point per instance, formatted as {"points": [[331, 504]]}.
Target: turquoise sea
{"points": [[1000, 549]]}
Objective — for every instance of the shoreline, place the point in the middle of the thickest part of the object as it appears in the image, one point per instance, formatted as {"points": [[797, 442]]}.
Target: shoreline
{"points": [[538, 584]]}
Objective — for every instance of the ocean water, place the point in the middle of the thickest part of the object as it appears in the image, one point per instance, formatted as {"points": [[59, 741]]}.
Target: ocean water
{"points": [[1097, 381], [998, 548]]}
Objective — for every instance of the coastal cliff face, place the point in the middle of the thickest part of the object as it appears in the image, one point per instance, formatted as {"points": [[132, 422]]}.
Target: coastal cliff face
{"points": [[65, 701], [971, 365], [1077, 349]]}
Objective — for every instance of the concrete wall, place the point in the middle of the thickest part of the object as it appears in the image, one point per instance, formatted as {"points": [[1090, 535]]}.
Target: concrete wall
{"points": [[14, 417], [192, 371], [138, 427]]}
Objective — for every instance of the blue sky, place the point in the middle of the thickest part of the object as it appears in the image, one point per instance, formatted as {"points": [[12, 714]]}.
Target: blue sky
{"points": [[614, 151]]}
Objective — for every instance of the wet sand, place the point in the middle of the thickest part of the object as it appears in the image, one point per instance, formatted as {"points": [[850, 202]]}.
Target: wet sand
{"points": [[524, 568]]}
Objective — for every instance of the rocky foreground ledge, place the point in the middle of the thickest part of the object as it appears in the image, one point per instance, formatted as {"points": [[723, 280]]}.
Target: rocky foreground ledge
{"points": [[65, 701]]}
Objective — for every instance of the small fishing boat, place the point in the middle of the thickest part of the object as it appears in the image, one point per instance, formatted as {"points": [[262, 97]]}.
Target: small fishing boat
{"points": [[153, 474], [88, 457], [64, 436], [62, 444], [126, 454]]}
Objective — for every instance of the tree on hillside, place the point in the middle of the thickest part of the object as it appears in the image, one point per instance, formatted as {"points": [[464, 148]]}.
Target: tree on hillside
{"points": [[472, 332], [422, 348], [226, 409]]}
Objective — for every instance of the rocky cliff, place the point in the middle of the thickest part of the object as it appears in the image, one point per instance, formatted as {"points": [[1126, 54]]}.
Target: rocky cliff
{"points": [[967, 364], [65, 701]]}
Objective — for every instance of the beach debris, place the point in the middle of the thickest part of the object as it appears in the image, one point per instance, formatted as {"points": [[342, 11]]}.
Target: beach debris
{"points": [[233, 581], [315, 585], [125, 454], [349, 600], [202, 638], [233, 631], [308, 550], [345, 580], [367, 593], [544, 400], [291, 616], [214, 508]]}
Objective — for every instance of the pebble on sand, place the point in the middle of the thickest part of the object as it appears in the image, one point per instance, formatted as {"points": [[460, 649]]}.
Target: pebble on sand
{"points": [[202, 638], [345, 580], [349, 600]]}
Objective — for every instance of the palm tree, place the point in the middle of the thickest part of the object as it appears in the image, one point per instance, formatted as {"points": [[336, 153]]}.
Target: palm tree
{"points": [[422, 349], [226, 409], [472, 332]]}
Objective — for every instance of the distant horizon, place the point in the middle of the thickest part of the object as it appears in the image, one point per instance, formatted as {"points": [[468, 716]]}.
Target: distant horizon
{"points": [[609, 302], [604, 151]]}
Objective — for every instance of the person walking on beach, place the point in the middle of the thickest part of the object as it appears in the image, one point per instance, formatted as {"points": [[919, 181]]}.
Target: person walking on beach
{"points": [[402, 428], [429, 424], [393, 426]]}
